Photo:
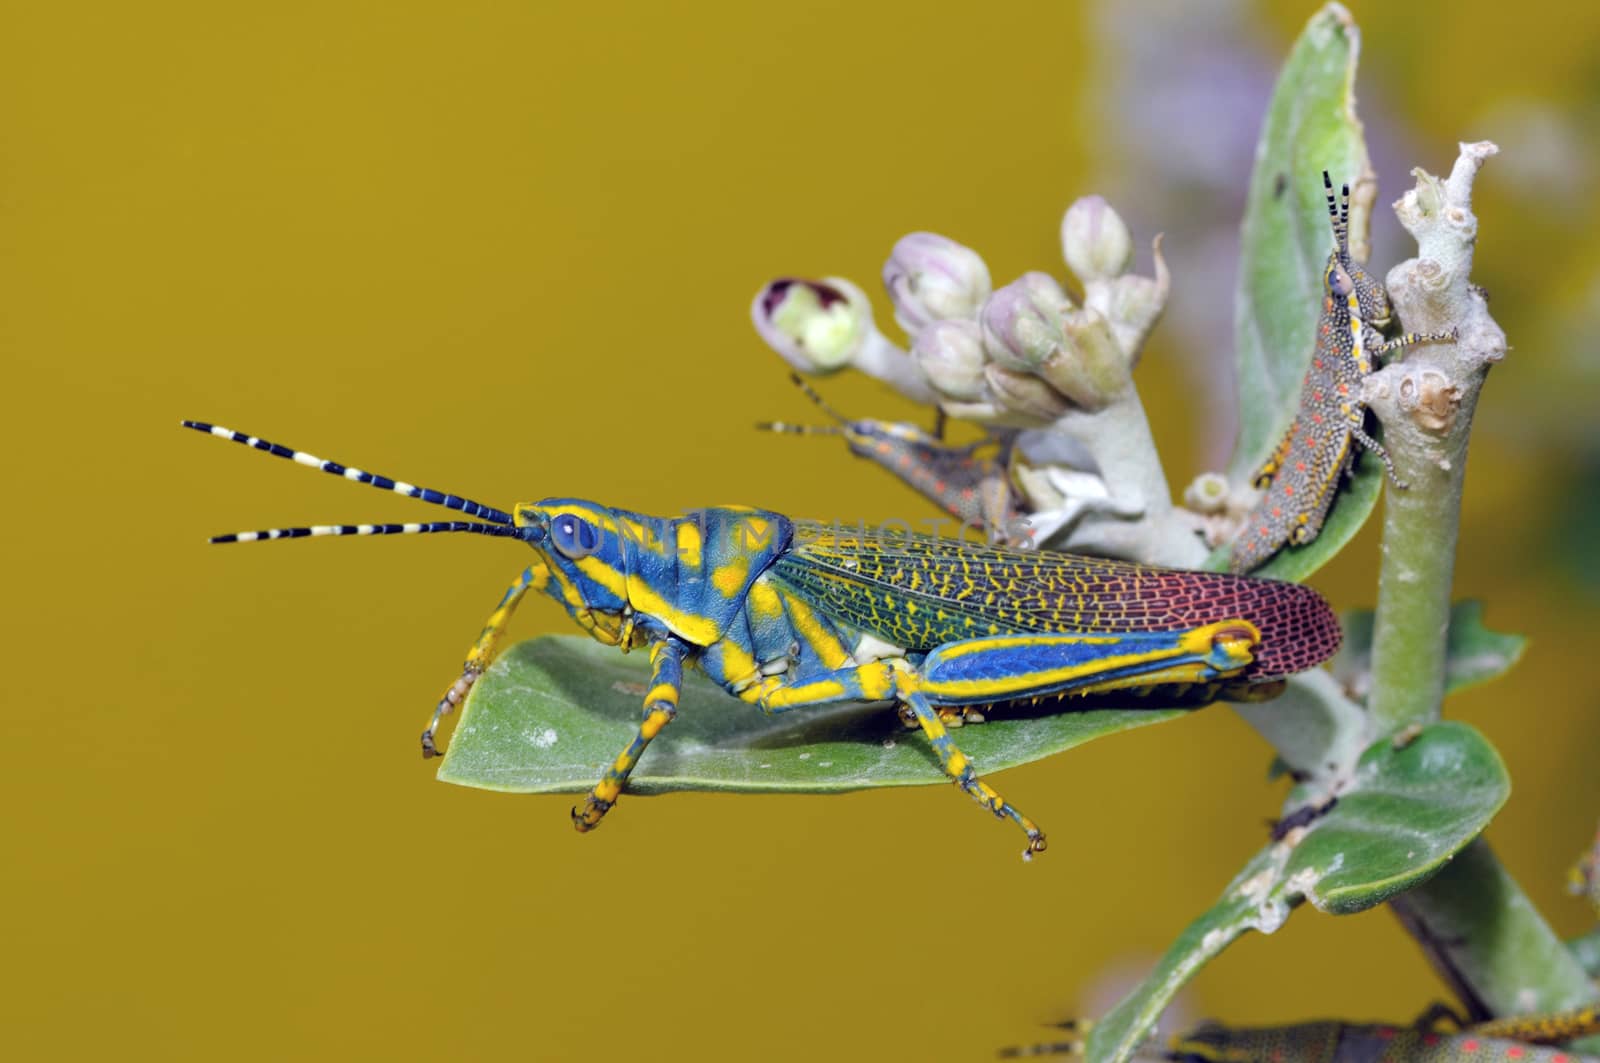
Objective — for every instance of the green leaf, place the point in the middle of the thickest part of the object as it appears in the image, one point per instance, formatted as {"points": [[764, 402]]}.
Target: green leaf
{"points": [[1473, 653], [1406, 813], [551, 713], [1311, 126], [1587, 950]]}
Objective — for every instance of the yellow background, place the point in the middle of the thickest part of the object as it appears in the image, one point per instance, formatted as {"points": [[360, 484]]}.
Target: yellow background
{"points": [[507, 250]]}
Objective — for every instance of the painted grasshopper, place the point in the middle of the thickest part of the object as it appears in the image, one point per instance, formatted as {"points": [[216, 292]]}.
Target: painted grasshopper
{"points": [[788, 614]]}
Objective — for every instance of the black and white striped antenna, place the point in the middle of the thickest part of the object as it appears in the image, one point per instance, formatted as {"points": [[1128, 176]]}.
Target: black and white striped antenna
{"points": [[807, 429], [1339, 213], [492, 521]]}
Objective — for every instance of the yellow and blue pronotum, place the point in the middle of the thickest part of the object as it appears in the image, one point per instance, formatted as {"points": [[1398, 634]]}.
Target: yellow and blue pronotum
{"points": [[787, 614]]}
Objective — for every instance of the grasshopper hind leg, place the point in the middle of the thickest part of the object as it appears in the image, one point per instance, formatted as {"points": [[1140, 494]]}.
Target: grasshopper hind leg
{"points": [[957, 765]]}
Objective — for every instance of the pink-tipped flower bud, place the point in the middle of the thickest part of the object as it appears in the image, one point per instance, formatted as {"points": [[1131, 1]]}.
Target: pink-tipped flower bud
{"points": [[950, 355], [817, 326], [933, 278], [1022, 322], [1095, 241]]}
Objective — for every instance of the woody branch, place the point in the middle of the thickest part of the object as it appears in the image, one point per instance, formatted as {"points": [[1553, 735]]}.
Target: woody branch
{"points": [[1472, 919]]}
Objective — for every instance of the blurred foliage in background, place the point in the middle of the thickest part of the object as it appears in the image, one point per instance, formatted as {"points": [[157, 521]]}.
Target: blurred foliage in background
{"points": [[508, 251]]}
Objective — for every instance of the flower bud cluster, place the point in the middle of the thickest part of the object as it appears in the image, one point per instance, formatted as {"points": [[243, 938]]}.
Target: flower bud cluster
{"points": [[1022, 354]]}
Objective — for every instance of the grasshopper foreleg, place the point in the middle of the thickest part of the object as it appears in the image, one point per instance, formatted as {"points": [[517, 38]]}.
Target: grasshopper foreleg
{"points": [[478, 656], [660, 709]]}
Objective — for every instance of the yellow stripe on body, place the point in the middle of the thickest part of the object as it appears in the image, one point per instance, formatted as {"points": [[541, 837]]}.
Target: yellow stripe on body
{"points": [[637, 591], [730, 576], [763, 601], [569, 590], [1358, 349], [739, 668], [1199, 642], [1021, 684], [813, 693], [691, 545], [827, 646], [962, 649]]}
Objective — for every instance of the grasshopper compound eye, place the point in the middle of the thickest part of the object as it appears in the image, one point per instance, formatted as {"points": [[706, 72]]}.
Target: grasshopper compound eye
{"points": [[574, 537], [1339, 283]]}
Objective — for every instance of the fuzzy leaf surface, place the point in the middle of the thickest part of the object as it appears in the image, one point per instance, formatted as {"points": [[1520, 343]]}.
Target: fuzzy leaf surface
{"points": [[551, 713]]}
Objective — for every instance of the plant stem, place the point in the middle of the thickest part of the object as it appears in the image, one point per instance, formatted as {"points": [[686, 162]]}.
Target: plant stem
{"points": [[1426, 404], [1479, 929], [1489, 942], [1139, 520], [1420, 528]]}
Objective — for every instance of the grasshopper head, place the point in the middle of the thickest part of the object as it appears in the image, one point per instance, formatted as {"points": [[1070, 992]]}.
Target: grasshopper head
{"points": [[1343, 274], [584, 548]]}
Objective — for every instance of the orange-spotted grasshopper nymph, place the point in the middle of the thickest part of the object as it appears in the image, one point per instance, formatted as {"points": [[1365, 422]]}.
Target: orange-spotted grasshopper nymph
{"points": [[971, 483], [787, 614], [1303, 474]]}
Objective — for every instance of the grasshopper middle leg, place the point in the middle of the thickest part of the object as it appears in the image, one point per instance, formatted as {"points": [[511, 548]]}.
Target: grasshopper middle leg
{"points": [[660, 709]]}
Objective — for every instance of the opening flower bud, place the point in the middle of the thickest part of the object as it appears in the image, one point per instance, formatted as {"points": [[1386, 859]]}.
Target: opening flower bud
{"points": [[817, 326], [933, 278], [1095, 241]]}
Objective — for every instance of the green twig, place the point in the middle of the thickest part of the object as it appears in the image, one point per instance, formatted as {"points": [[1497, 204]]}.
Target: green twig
{"points": [[1488, 941]]}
